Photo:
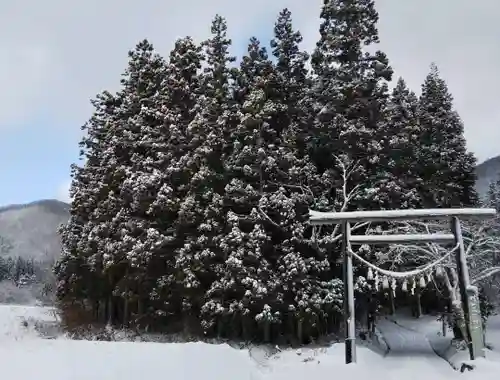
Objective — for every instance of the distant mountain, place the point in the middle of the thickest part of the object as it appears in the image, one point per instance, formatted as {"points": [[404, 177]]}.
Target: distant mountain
{"points": [[30, 230], [487, 172]]}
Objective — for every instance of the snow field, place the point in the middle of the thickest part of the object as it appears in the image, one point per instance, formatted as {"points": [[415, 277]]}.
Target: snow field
{"points": [[25, 356]]}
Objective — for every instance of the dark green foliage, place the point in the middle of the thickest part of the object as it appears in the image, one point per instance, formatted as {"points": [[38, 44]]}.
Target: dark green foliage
{"points": [[401, 133], [447, 168]]}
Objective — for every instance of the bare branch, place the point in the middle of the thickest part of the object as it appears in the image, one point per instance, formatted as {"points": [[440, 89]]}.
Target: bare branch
{"points": [[262, 213]]}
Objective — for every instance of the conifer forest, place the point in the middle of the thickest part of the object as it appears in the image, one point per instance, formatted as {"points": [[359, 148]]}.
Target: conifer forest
{"points": [[190, 203]]}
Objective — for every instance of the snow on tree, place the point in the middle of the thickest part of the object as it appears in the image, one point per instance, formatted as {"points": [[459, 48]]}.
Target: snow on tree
{"points": [[248, 282], [304, 268], [156, 188], [350, 87], [202, 215], [78, 273], [100, 218], [132, 240], [348, 97], [293, 81], [274, 277], [400, 177], [190, 210], [493, 195], [492, 286], [447, 168]]}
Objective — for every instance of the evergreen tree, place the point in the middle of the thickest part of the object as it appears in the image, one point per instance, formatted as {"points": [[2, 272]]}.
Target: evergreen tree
{"points": [[447, 168], [350, 92], [129, 239], [4, 269], [95, 241], [248, 284], [493, 195], [401, 180], [157, 188], [310, 306], [77, 281], [293, 80], [275, 282], [348, 97], [203, 209]]}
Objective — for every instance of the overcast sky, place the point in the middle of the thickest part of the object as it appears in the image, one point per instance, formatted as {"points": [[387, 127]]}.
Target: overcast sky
{"points": [[58, 54]]}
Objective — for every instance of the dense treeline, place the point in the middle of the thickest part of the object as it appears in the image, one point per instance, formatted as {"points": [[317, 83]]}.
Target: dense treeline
{"points": [[25, 281], [189, 210], [20, 271]]}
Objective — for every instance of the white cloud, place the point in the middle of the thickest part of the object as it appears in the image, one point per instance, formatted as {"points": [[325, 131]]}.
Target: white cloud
{"points": [[63, 192], [86, 43], [58, 54], [23, 78]]}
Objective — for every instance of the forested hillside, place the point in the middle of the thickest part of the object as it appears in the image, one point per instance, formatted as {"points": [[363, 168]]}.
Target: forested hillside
{"points": [[190, 208], [487, 172], [29, 246], [29, 230]]}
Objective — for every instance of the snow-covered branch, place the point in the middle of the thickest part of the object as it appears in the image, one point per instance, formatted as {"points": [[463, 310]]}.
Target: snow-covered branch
{"points": [[485, 274], [481, 240]]}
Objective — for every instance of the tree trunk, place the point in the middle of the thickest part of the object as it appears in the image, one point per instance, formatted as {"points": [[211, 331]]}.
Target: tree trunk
{"points": [[267, 331], [125, 310], [111, 310], [299, 330], [418, 304], [392, 302], [458, 317]]}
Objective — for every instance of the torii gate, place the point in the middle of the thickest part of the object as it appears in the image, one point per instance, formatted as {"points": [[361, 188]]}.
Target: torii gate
{"points": [[468, 294]]}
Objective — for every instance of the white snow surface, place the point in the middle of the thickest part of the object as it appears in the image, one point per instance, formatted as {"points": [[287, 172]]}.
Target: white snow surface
{"points": [[493, 333], [25, 356]]}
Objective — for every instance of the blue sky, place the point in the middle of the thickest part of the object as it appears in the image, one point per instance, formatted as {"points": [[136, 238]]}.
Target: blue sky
{"points": [[35, 161], [57, 55]]}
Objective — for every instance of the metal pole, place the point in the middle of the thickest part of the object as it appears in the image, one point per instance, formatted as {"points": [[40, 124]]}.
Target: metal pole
{"points": [[350, 329], [463, 281]]}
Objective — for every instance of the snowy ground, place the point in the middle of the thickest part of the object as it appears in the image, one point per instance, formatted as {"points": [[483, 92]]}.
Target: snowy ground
{"points": [[25, 356], [493, 333]]}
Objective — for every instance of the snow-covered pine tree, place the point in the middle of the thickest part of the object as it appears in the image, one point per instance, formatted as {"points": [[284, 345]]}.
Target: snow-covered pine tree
{"points": [[276, 282], [448, 169], [293, 80], [78, 271], [493, 195], [248, 284], [125, 246], [98, 236], [350, 92], [311, 297], [400, 178], [348, 97], [202, 210], [211, 135], [155, 226]]}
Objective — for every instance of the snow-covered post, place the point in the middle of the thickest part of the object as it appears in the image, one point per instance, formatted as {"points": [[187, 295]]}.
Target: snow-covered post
{"points": [[475, 349], [476, 323], [350, 328]]}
